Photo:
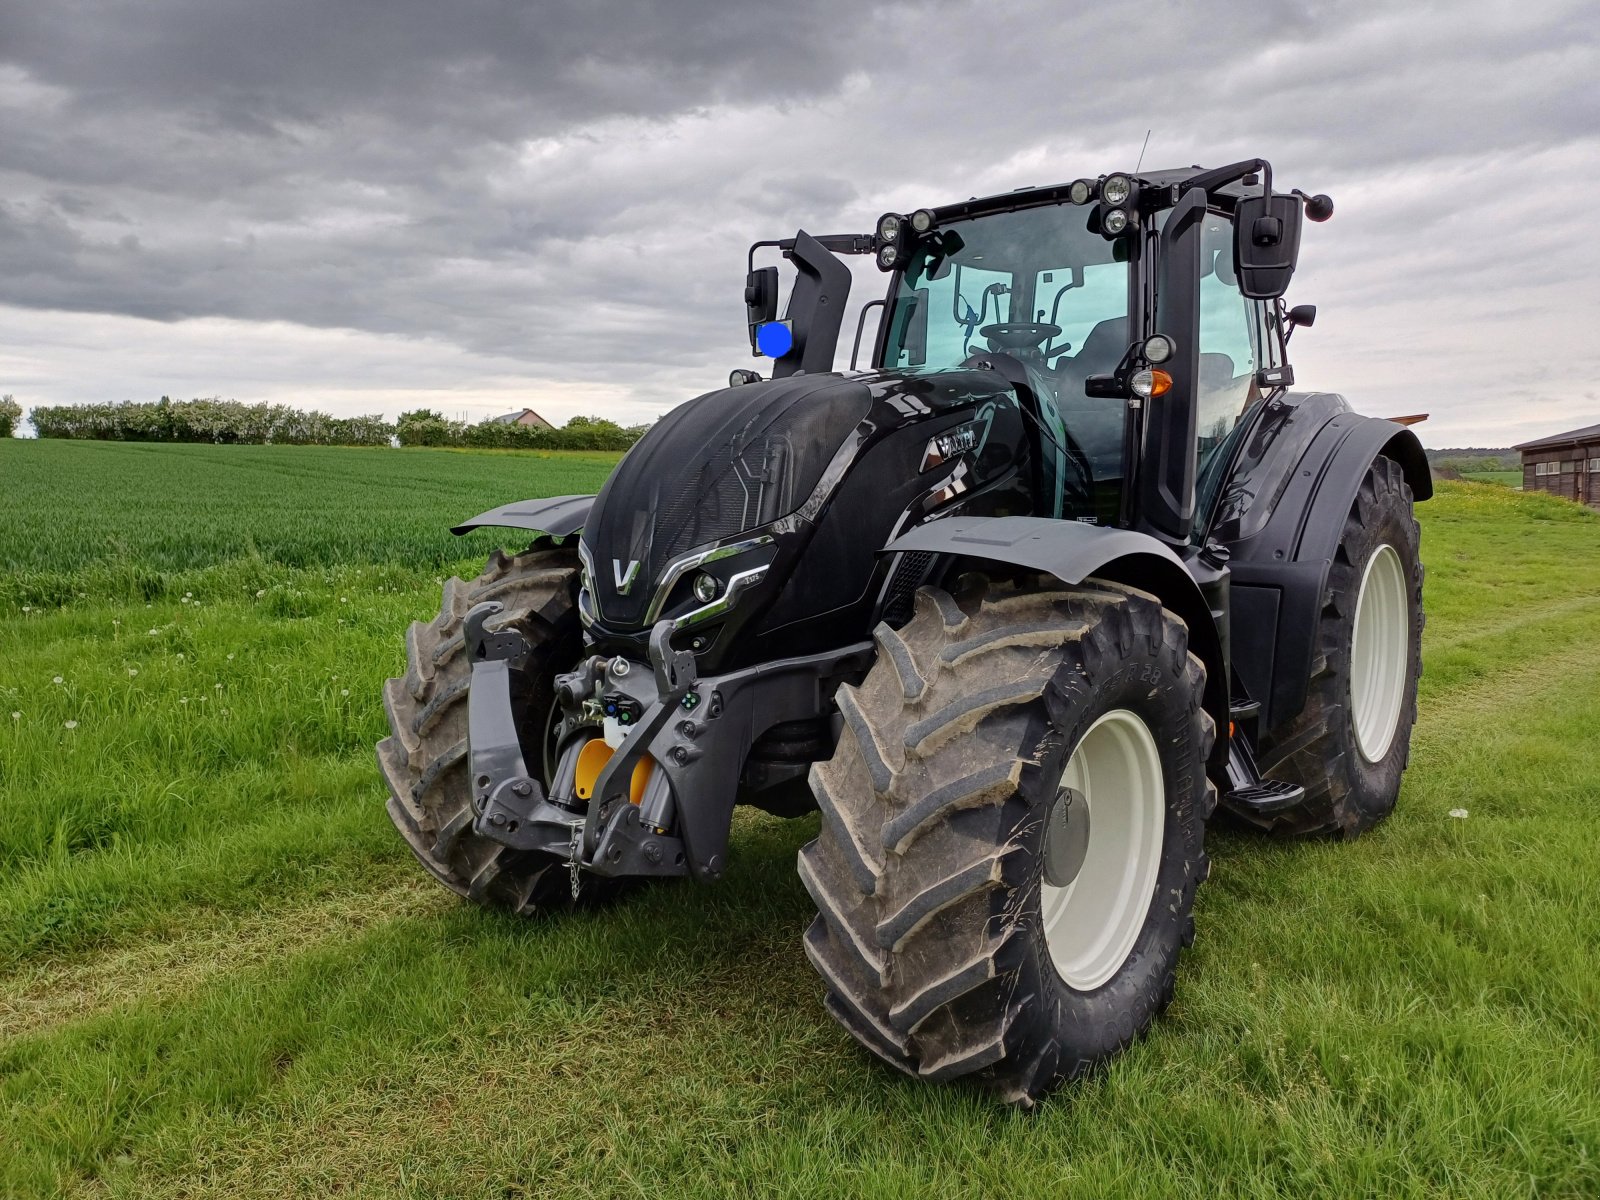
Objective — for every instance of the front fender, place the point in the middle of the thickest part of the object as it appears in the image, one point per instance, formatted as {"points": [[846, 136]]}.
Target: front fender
{"points": [[558, 516], [1280, 566], [1072, 551]]}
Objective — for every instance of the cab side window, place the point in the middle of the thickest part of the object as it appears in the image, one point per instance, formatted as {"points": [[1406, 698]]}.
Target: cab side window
{"points": [[1228, 353]]}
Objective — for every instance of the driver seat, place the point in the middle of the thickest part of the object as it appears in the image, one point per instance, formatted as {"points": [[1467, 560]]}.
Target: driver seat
{"points": [[1096, 424]]}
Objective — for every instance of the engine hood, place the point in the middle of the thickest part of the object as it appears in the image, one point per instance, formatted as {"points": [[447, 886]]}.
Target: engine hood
{"points": [[724, 463]]}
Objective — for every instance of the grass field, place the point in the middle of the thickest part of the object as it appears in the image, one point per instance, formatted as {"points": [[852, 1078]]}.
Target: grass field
{"points": [[221, 973], [1511, 479]]}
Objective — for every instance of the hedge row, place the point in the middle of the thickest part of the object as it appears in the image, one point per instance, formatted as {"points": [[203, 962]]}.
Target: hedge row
{"points": [[426, 428], [230, 422], [217, 421]]}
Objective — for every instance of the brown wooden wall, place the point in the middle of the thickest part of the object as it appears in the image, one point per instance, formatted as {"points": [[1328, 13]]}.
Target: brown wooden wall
{"points": [[1574, 482]]}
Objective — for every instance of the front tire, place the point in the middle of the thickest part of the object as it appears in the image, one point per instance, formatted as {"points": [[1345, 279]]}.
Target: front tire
{"points": [[425, 760], [966, 926]]}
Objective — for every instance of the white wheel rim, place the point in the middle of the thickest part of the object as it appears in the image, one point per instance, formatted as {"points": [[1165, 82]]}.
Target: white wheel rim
{"points": [[1091, 923], [1379, 651]]}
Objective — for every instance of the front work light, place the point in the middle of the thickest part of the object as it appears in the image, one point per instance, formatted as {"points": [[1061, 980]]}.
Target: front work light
{"points": [[922, 220], [1116, 189], [706, 588], [889, 257], [1081, 191], [1114, 221], [1158, 348], [889, 227], [775, 338]]}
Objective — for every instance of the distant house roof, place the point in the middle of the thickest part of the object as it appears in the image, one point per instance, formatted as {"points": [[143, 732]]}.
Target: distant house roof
{"points": [[523, 416], [1573, 437]]}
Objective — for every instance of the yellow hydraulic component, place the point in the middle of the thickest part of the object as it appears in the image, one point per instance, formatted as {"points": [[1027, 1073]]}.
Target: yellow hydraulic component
{"points": [[592, 759]]}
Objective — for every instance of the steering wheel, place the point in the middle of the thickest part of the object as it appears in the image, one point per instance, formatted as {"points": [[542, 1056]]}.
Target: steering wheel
{"points": [[1019, 335]]}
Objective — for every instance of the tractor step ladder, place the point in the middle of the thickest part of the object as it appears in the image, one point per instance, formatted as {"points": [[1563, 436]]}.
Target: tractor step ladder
{"points": [[1247, 791]]}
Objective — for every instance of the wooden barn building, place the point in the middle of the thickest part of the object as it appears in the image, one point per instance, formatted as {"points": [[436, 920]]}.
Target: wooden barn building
{"points": [[1565, 464]]}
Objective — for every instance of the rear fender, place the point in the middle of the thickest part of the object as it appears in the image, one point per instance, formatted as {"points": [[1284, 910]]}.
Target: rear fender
{"points": [[1280, 569], [1072, 552], [559, 516]]}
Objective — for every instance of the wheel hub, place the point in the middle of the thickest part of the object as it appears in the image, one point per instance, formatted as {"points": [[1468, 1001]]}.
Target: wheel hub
{"points": [[1099, 875], [1066, 837], [1380, 645]]}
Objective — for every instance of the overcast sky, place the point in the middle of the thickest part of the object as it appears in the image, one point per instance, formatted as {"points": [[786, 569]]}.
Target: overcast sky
{"points": [[368, 206]]}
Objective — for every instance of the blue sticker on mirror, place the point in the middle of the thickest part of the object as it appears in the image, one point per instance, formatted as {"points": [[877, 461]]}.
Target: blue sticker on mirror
{"points": [[775, 339]]}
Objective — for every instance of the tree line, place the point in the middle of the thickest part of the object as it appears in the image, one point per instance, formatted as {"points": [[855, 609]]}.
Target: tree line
{"points": [[230, 422]]}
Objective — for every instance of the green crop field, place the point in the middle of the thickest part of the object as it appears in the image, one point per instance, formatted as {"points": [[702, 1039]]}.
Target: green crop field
{"points": [[221, 973]]}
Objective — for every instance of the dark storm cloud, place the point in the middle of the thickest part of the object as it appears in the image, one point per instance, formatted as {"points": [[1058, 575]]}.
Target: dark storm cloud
{"points": [[572, 187]]}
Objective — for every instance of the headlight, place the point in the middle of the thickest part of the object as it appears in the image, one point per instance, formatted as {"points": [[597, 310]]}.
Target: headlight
{"points": [[922, 220], [889, 257], [706, 588], [1081, 192], [1114, 221], [1158, 348], [889, 227], [1116, 189]]}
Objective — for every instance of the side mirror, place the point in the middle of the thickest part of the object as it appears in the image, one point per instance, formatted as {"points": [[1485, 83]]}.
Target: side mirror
{"points": [[1303, 316], [760, 300], [1266, 243]]}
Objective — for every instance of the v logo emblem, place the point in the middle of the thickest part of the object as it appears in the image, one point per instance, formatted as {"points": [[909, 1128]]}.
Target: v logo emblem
{"points": [[624, 576]]}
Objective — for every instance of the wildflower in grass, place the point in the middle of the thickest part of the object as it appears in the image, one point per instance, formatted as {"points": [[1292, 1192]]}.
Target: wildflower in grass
{"points": [[183, 699], [218, 686], [16, 716], [1459, 814], [230, 657], [260, 592], [153, 632], [344, 691], [57, 679], [132, 671], [114, 621], [185, 600], [27, 608], [180, 654], [344, 599], [71, 724]]}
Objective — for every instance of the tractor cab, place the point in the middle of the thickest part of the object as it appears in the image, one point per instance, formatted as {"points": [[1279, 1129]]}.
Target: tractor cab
{"points": [[1134, 314]]}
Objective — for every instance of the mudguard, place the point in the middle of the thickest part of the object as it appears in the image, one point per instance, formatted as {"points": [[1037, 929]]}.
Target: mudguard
{"points": [[559, 516], [1282, 546], [1073, 551]]}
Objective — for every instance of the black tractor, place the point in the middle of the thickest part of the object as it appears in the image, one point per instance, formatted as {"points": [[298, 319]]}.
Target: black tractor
{"points": [[1013, 609]]}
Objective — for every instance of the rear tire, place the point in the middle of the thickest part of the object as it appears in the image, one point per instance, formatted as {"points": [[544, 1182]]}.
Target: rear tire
{"points": [[1349, 746], [941, 856], [425, 759]]}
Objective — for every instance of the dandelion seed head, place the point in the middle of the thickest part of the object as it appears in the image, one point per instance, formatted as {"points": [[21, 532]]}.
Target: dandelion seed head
{"points": [[71, 724]]}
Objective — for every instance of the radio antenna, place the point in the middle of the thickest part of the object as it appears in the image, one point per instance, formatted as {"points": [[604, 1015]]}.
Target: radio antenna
{"points": [[1142, 149]]}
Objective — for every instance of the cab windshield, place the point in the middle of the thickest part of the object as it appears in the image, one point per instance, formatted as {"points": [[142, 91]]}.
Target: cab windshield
{"points": [[1036, 284]]}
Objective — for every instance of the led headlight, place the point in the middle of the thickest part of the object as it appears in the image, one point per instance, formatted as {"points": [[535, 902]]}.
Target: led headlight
{"points": [[1081, 191], [1114, 221], [889, 227], [1116, 189], [1158, 348], [922, 220], [706, 587], [889, 257]]}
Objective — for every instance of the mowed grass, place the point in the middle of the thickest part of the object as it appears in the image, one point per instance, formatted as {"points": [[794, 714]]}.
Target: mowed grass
{"points": [[222, 974]]}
